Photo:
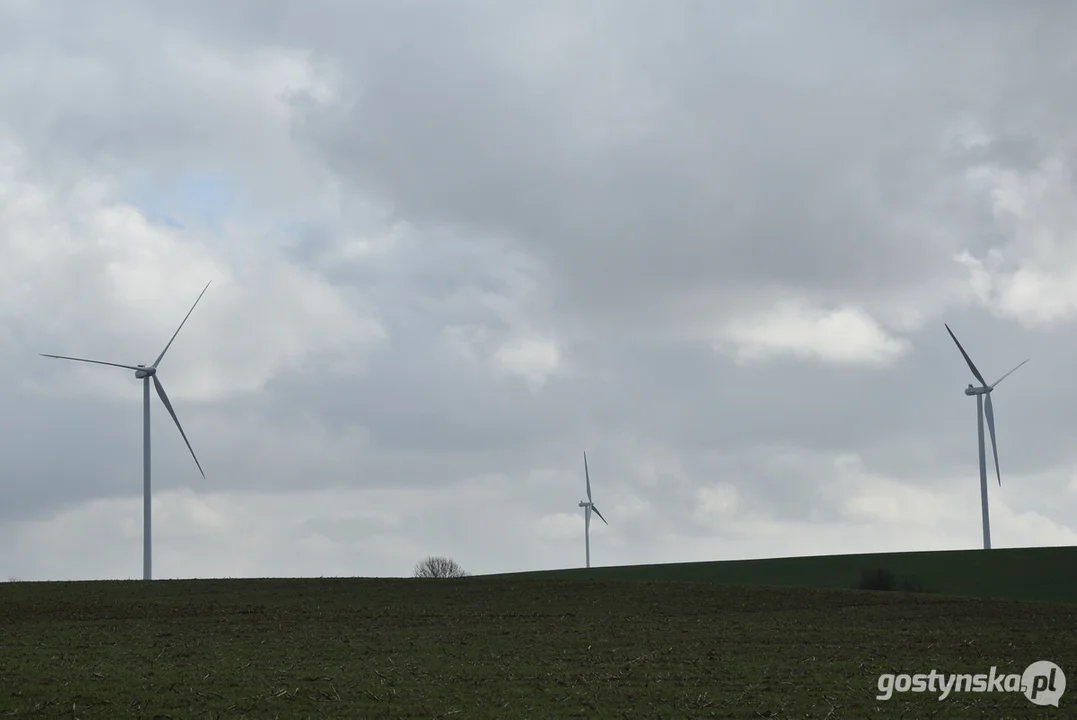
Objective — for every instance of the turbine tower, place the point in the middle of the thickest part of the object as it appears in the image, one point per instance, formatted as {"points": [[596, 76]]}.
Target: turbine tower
{"points": [[588, 508], [983, 409], [146, 374]]}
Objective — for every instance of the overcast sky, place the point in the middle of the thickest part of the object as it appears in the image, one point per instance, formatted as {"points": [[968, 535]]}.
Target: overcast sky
{"points": [[455, 245]]}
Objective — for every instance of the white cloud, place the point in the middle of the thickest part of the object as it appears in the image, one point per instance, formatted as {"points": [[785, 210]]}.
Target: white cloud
{"points": [[532, 358], [845, 335], [88, 276], [352, 531], [716, 501], [1032, 276], [886, 502]]}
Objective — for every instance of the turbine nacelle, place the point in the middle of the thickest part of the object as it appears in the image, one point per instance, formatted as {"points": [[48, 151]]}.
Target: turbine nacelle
{"points": [[973, 390], [144, 372]]}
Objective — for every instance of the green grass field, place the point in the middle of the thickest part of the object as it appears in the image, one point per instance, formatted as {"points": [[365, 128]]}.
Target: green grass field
{"points": [[1048, 573], [511, 647]]}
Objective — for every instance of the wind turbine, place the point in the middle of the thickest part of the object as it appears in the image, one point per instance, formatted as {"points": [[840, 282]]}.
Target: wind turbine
{"points": [[984, 408], [588, 508], [146, 374]]}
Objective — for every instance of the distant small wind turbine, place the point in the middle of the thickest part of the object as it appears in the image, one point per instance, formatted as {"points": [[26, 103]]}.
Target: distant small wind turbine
{"points": [[588, 508], [145, 374], [984, 407]]}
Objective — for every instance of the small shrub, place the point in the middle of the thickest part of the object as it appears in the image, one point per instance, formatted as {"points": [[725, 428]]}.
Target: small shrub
{"points": [[878, 579], [882, 579]]}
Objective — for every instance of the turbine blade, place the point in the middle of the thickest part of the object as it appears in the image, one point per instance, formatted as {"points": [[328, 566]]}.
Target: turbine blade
{"points": [[989, 412], [168, 405], [95, 362], [159, 357], [1009, 373], [599, 514], [967, 358], [587, 475]]}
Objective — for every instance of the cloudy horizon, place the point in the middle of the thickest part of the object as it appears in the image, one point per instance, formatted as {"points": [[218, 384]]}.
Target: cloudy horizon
{"points": [[454, 247]]}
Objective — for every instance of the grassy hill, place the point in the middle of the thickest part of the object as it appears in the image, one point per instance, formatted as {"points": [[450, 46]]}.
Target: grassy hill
{"points": [[1048, 573], [500, 647]]}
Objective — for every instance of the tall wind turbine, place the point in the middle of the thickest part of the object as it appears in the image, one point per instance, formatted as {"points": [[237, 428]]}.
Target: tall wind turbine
{"points": [[588, 508], [146, 374], [983, 408]]}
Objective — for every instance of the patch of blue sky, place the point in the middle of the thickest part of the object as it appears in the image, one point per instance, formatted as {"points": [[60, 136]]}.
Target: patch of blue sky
{"points": [[184, 199]]}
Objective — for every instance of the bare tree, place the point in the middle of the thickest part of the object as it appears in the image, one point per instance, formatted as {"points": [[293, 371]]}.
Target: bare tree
{"points": [[439, 567]]}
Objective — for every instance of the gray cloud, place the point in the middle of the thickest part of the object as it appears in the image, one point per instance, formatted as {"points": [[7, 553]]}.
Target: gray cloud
{"points": [[711, 244]]}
